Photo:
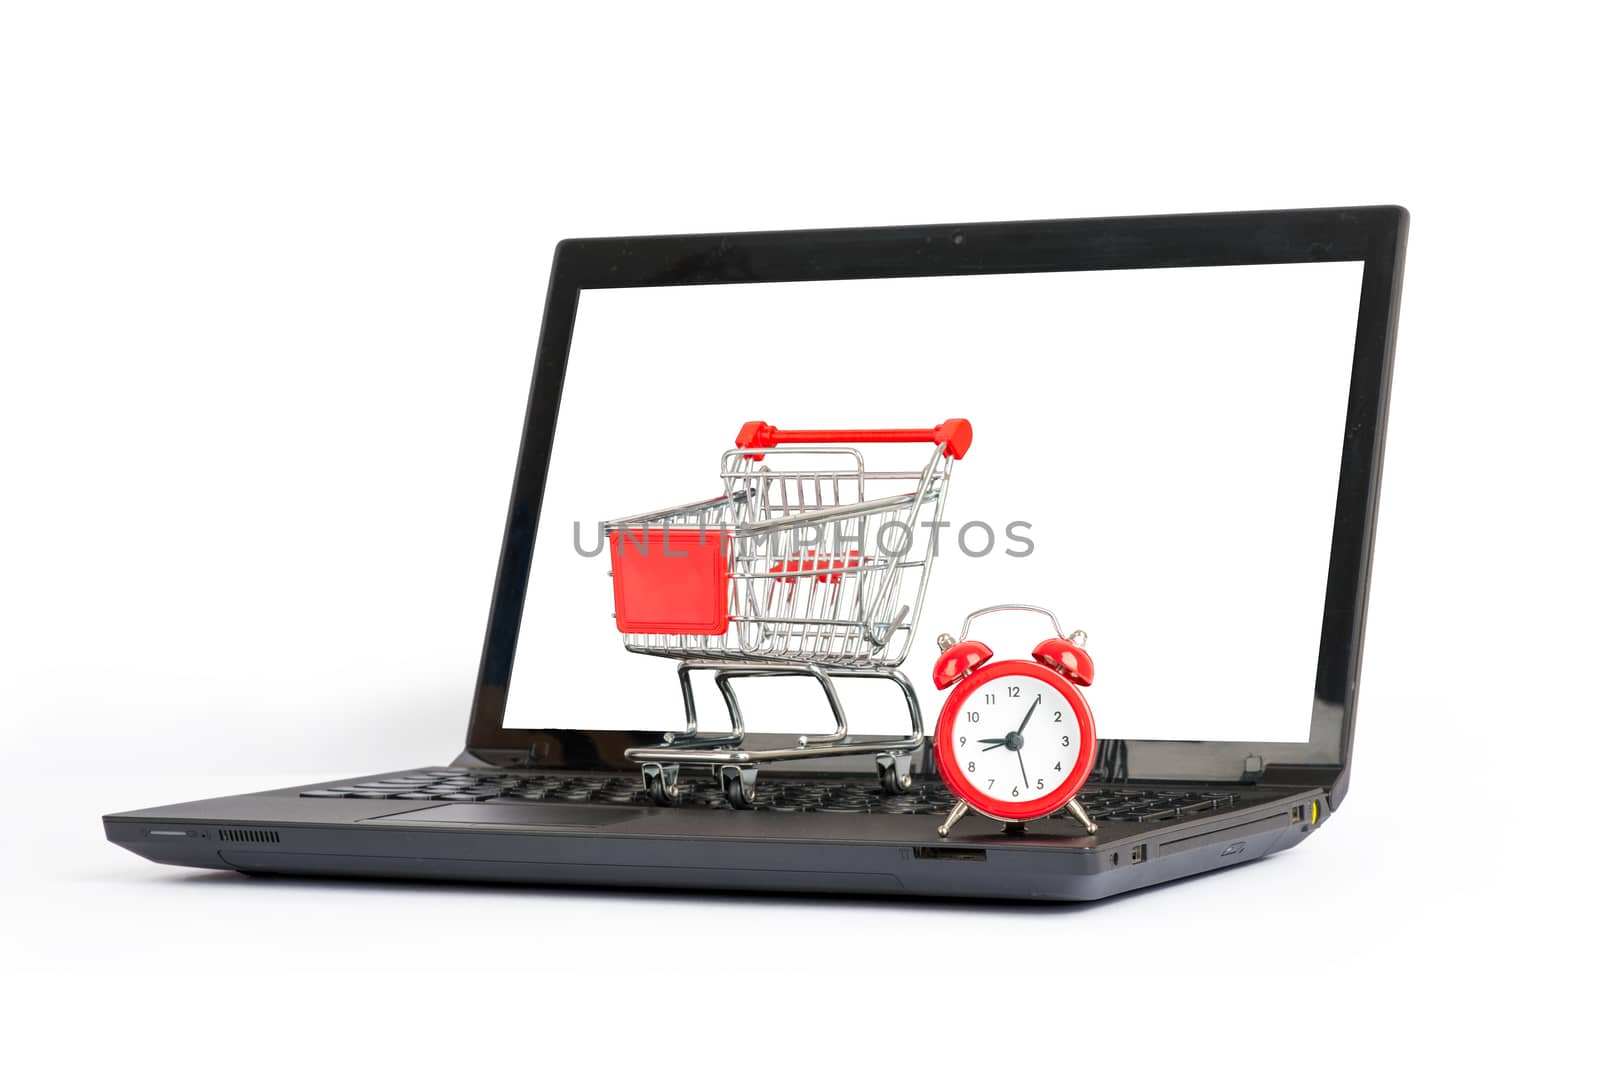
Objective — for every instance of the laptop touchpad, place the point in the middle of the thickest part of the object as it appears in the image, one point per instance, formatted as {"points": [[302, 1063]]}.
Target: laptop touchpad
{"points": [[513, 816]]}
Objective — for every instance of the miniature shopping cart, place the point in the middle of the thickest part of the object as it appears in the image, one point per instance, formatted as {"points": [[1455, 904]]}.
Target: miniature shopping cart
{"points": [[809, 564]]}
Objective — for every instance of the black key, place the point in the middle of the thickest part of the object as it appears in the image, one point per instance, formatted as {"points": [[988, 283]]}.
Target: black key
{"points": [[414, 797], [463, 797], [321, 793]]}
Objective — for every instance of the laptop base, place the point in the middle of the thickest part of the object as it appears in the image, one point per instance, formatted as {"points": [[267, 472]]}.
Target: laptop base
{"points": [[504, 839]]}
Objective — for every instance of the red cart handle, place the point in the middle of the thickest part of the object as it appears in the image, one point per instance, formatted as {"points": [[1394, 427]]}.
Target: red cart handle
{"points": [[954, 434]]}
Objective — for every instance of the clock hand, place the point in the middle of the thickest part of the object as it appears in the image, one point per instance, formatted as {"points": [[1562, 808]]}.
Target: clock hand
{"points": [[1024, 768], [991, 743], [1025, 719]]}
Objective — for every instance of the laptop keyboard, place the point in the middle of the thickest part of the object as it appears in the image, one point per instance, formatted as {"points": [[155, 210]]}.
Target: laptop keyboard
{"points": [[493, 786]]}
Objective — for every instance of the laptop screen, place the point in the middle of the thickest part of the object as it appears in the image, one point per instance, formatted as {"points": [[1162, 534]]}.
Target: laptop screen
{"points": [[1155, 458]]}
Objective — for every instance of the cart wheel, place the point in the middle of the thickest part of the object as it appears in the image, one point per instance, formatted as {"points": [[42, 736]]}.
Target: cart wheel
{"points": [[738, 784], [661, 783], [894, 772]]}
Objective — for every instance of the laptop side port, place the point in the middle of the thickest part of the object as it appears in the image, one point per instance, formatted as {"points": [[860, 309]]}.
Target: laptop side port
{"points": [[948, 853], [1136, 854]]}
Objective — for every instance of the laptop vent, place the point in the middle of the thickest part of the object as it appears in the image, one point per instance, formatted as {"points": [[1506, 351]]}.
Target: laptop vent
{"points": [[229, 834]]}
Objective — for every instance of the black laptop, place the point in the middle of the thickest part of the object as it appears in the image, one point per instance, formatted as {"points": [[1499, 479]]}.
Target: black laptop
{"points": [[1166, 432]]}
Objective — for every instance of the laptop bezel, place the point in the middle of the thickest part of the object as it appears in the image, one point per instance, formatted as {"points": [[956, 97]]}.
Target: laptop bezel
{"points": [[1374, 236]]}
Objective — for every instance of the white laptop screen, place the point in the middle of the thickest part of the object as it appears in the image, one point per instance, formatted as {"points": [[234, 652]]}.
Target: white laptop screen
{"points": [[1155, 458]]}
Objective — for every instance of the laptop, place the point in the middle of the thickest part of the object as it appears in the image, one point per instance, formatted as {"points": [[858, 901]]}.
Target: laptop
{"points": [[1172, 436]]}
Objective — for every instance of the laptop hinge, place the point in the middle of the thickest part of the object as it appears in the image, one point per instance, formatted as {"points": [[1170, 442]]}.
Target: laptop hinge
{"points": [[493, 758], [1320, 776]]}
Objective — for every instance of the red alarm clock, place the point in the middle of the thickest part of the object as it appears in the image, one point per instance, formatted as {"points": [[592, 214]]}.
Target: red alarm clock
{"points": [[1015, 739]]}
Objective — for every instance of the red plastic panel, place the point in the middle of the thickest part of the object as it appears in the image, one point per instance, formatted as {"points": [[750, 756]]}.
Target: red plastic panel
{"points": [[833, 569], [670, 581]]}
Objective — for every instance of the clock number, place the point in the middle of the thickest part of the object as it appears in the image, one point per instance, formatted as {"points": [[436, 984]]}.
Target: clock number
{"points": [[972, 765], [1058, 717], [1066, 739], [1041, 784], [972, 715], [988, 698], [1013, 691], [1058, 765], [963, 739], [1013, 791]]}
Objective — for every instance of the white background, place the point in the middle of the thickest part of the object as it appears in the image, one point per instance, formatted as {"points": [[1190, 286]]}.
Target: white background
{"points": [[1171, 439], [270, 281]]}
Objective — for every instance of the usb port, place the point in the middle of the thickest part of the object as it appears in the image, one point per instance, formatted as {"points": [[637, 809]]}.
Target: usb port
{"points": [[1297, 814], [1136, 855]]}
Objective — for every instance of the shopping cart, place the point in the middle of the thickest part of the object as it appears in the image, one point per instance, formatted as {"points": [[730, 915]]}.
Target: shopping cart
{"points": [[809, 564]]}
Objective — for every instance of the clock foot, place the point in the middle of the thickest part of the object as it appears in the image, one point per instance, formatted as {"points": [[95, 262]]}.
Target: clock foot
{"points": [[951, 820], [1075, 807]]}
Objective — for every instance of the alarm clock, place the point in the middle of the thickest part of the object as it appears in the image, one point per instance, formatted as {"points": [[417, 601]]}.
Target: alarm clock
{"points": [[1015, 739]]}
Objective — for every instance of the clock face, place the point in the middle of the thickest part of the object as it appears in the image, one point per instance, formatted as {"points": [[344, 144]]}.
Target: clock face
{"points": [[1011, 741]]}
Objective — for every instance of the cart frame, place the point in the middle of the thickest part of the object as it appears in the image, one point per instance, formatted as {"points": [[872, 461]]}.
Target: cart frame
{"points": [[816, 574]]}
